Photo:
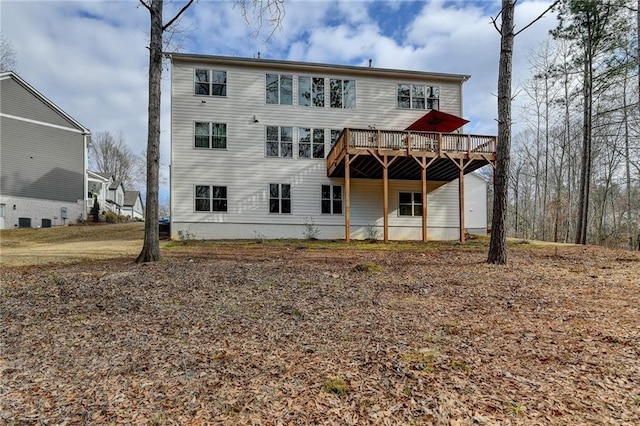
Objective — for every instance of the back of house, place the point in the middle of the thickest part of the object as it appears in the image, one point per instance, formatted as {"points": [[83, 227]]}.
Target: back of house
{"points": [[260, 148]]}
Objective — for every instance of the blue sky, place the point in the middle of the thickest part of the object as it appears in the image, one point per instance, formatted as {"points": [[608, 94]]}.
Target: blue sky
{"points": [[90, 57]]}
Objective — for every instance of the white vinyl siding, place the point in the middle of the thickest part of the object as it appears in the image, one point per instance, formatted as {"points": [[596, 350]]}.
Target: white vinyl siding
{"points": [[246, 170]]}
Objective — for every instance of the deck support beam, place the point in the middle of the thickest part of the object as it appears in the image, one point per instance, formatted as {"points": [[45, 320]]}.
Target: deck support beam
{"points": [[385, 198], [423, 177], [347, 199], [461, 201]]}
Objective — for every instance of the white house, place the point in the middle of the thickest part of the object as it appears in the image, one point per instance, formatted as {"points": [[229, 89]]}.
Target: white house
{"points": [[98, 188], [43, 158], [273, 149], [132, 205]]}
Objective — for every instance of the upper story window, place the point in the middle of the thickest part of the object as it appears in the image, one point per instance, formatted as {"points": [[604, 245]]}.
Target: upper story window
{"points": [[342, 93], [279, 141], [210, 135], [418, 96], [311, 91], [279, 89], [410, 204], [310, 143], [210, 82]]}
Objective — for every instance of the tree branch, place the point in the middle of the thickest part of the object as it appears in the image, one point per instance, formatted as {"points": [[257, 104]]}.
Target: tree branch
{"points": [[538, 18], [184, 8], [145, 5]]}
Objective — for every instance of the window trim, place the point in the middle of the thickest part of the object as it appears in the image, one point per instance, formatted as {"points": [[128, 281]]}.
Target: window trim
{"points": [[428, 98], [280, 198], [210, 198], [279, 89], [312, 93], [210, 82], [332, 200], [342, 93], [210, 136], [413, 204], [312, 143], [279, 141]]}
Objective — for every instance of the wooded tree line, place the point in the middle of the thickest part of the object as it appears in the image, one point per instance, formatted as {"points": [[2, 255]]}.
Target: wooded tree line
{"points": [[575, 166]]}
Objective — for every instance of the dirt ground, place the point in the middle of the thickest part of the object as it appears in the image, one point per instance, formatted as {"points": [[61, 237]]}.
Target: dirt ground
{"points": [[299, 333]]}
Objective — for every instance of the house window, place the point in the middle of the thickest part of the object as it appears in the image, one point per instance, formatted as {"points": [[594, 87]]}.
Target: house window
{"points": [[418, 96], [342, 93], [335, 134], [211, 198], [210, 135], [210, 82], [279, 141], [410, 204], [331, 199], [279, 198], [279, 89], [310, 143], [311, 91]]}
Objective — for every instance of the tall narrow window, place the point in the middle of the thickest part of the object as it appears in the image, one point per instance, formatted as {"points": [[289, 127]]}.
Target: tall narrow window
{"points": [[342, 93], [210, 198], [335, 134], [210, 135], [310, 143], [210, 82], [311, 91], [410, 204], [331, 199], [279, 198], [279, 89], [279, 141]]}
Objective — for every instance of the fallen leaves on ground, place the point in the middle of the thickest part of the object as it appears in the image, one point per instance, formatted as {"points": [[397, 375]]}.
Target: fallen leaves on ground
{"points": [[301, 335]]}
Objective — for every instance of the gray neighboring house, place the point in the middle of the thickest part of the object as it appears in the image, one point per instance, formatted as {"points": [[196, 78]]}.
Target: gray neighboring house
{"points": [[43, 159], [132, 206]]}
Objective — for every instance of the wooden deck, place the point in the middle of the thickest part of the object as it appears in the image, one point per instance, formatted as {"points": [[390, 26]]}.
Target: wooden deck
{"points": [[443, 154], [392, 154]]}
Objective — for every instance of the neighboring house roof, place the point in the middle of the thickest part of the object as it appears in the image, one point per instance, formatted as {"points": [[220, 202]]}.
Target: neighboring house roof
{"points": [[44, 99], [98, 176], [130, 198], [313, 67], [116, 184], [104, 175]]}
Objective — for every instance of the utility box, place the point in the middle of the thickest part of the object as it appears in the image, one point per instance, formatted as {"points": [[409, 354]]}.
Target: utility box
{"points": [[63, 213]]}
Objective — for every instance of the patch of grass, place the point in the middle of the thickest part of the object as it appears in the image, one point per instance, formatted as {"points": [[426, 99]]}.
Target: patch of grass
{"points": [[517, 409], [368, 267], [460, 365], [66, 234], [422, 359], [336, 385], [452, 327]]}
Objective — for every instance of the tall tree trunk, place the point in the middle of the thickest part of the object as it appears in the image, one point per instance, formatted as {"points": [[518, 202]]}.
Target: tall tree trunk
{"points": [[585, 174], [498, 243], [151, 248]]}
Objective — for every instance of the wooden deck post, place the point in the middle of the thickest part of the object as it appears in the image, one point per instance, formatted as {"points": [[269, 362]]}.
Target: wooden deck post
{"points": [[461, 201], [385, 198], [423, 176], [347, 199]]}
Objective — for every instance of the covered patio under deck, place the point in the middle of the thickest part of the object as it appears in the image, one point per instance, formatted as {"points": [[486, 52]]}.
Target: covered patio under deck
{"points": [[407, 155]]}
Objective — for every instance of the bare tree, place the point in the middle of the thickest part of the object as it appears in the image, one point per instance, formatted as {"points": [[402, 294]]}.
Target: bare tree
{"points": [[110, 154], [7, 55], [498, 242], [273, 8]]}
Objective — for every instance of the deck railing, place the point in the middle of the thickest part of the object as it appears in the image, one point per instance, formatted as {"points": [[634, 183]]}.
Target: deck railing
{"points": [[397, 140]]}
